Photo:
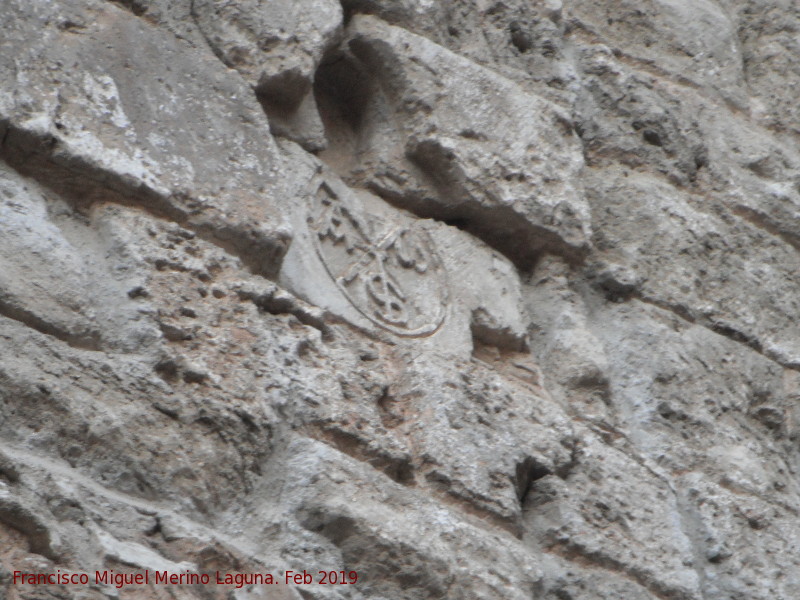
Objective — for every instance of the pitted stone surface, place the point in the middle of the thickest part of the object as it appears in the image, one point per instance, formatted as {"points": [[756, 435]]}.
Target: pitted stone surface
{"points": [[448, 156]]}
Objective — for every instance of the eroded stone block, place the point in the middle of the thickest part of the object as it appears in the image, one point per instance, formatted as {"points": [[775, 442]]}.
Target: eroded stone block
{"points": [[440, 135], [164, 127]]}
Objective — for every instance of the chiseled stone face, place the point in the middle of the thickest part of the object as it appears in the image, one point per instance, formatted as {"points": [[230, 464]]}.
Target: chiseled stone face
{"points": [[418, 281], [457, 300], [389, 271]]}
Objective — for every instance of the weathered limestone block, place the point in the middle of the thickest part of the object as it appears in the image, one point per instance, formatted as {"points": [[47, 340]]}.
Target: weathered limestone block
{"points": [[606, 511], [127, 445], [447, 138], [742, 533], [67, 277], [755, 171], [571, 357], [694, 41], [105, 529], [164, 127], [401, 543], [664, 384], [729, 407], [42, 276], [468, 410], [277, 47], [721, 271], [768, 32], [27, 513], [430, 285], [523, 40], [623, 115]]}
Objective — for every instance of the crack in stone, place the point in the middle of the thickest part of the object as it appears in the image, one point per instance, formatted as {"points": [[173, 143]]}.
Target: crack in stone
{"points": [[723, 330], [83, 184], [575, 554], [28, 319]]}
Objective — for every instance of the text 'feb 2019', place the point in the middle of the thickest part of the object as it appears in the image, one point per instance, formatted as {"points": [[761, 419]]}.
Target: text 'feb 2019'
{"points": [[147, 577]]}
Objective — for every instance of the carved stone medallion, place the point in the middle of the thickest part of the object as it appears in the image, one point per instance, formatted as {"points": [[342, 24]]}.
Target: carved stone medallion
{"points": [[389, 272]]}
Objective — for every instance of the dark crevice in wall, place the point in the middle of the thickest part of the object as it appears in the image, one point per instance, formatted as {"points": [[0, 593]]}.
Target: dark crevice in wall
{"points": [[586, 558], [724, 329], [280, 302], [85, 341], [765, 223], [527, 473], [345, 92], [618, 291], [398, 469], [500, 227], [345, 89], [353, 107]]}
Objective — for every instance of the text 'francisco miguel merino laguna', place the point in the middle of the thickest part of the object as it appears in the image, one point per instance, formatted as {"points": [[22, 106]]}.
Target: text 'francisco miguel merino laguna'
{"points": [[120, 580]]}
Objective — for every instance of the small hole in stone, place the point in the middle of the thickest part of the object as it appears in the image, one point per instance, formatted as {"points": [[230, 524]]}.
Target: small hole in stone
{"points": [[519, 37], [651, 137], [528, 472]]}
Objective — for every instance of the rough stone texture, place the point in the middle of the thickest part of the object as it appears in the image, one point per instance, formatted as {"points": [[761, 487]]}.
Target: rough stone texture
{"points": [[93, 135], [449, 155], [478, 299], [277, 46]]}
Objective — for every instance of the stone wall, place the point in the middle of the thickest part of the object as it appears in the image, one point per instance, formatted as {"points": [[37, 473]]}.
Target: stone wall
{"points": [[475, 299]]}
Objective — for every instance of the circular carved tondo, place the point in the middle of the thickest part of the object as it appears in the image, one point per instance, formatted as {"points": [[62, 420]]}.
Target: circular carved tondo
{"points": [[390, 273]]}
